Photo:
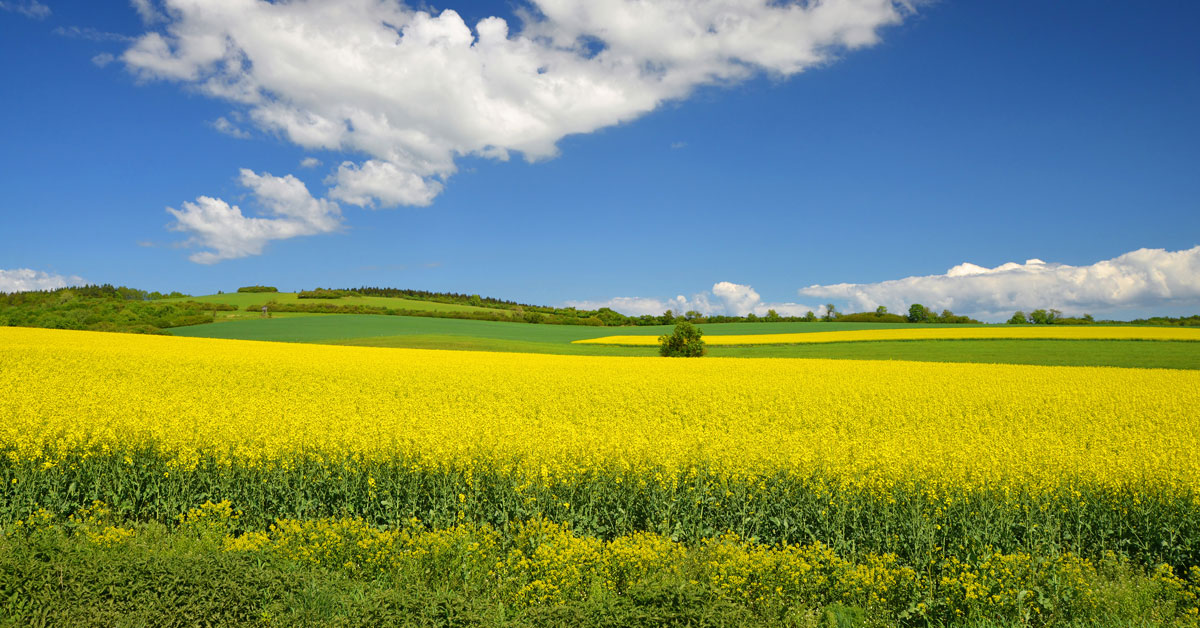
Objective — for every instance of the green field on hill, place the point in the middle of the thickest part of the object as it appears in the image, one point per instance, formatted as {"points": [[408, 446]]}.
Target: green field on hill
{"points": [[241, 300], [443, 333]]}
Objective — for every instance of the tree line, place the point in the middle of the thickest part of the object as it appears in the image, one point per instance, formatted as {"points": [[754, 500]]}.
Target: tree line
{"points": [[103, 308]]}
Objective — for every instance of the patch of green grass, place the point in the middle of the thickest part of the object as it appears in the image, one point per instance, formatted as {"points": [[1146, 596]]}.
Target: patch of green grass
{"points": [[1122, 353], [475, 343], [243, 299], [342, 327], [367, 330]]}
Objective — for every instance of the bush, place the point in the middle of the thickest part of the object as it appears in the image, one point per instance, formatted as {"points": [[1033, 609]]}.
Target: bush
{"points": [[258, 289], [324, 293], [684, 342]]}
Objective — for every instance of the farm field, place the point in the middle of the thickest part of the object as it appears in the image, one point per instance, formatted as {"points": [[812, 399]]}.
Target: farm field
{"points": [[241, 300], [434, 333], [914, 492], [996, 332]]}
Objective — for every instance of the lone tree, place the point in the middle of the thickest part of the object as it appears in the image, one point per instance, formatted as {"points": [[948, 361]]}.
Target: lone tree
{"points": [[684, 342], [918, 314]]}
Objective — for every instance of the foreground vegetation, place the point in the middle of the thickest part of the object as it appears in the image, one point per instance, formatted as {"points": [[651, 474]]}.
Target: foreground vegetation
{"points": [[104, 308], [773, 491], [95, 569]]}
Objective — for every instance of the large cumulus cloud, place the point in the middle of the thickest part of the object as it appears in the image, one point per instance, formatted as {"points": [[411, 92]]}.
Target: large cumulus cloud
{"points": [[1144, 278], [405, 92]]}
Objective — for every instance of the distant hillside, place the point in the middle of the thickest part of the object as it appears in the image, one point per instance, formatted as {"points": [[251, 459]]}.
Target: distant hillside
{"points": [[118, 308]]}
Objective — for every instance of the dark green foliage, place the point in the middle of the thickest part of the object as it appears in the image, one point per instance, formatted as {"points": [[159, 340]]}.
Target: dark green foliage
{"points": [[1043, 317], [1150, 527], [871, 317], [258, 289], [917, 313], [684, 342], [167, 575], [1018, 318], [102, 308], [325, 293]]}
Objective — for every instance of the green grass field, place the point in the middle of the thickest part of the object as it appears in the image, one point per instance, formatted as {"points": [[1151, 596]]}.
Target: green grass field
{"points": [[243, 299], [442, 333]]}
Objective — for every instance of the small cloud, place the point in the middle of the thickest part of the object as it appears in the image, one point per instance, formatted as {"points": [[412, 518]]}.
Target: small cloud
{"points": [[29, 8], [227, 233], [310, 162], [103, 59], [148, 12], [146, 244], [90, 34], [228, 128], [25, 279], [678, 145]]}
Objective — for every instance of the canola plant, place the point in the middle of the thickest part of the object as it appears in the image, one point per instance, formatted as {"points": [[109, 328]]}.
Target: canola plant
{"points": [[925, 473]]}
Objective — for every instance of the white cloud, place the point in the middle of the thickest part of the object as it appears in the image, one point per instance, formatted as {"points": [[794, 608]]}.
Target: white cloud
{"points": [[1138, 279], [383, 181], [90, 34], [227, 233], [29, 8], [103, 59], [228, 128], [411, 91], [310, 162], [725, 298], [147, 11], [25, 279]]}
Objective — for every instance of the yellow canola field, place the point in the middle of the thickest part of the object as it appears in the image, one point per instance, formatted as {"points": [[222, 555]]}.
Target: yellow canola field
{"points": [[259, 403], [1009, 332]]}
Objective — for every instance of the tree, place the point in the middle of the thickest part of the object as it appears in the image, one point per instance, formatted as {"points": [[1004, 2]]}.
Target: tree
{"points": [[881, 310], [1039, 317], [772, 315], [668, 317], [917, 313], [830, 312], [809, 317], [1018, 319], [684, 342], [693, 315]]}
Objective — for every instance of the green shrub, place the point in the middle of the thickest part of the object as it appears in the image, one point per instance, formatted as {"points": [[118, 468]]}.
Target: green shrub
{"points": [[684, 342], [325, 293], [258, 289]]}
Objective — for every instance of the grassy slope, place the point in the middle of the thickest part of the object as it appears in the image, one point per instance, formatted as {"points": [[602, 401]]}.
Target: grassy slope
{"points": [[242, 299], [437, 333], [1123, 353], [342, 327]]}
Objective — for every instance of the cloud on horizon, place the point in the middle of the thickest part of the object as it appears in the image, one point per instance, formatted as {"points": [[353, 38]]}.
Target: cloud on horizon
{"points": [[1139, 279], [408, 92], [26, 279], [725, 298]]}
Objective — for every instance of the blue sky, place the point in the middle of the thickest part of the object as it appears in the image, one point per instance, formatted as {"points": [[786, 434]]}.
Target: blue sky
{"points": [[957, 135]]}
